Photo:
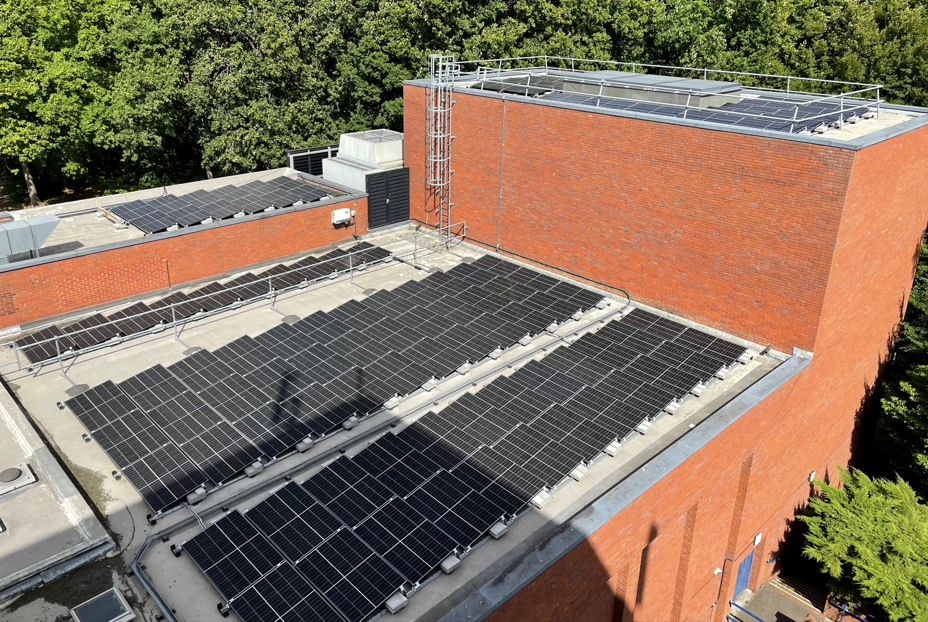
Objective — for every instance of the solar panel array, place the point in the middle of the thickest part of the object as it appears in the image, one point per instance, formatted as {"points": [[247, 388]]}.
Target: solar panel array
{"points": [[366, 526], [778, 115], [160, 213], [141, 318], [259, 396]]}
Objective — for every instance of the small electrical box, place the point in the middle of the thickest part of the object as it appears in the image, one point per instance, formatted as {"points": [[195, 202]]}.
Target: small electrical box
{"points": [[341, 216]]}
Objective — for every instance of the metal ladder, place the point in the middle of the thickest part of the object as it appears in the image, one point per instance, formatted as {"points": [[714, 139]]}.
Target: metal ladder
{"points": [[442, 72]]}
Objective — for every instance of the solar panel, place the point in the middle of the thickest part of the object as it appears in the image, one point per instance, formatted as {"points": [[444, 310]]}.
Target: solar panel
{"points": [[152, 387], [283, 595], [201, 433], [347, 490], [232, 554], [294, 521], [350, 575]]}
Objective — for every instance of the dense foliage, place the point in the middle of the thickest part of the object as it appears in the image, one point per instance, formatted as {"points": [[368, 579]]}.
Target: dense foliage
{"points": [[871, 538], [902, 433], [127, 93]]}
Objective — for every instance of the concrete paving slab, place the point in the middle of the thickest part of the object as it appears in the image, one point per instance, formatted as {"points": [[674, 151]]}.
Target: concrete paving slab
{"points": [[773, 604]]}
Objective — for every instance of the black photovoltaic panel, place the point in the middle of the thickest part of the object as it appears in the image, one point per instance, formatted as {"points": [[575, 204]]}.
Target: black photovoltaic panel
{"points": [[100, 405], [160, 213], [152, 387], [350, 492], [156, 467], [163, 476], [233, 554], [408, 500], [294, 521], [350, 575], [180, 306], [212, 443], [283, 595], [778, 115], [406, 540]]}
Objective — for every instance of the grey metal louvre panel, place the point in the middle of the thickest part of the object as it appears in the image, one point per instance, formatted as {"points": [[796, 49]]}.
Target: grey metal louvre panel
{"points": [[398, 182], [310, 160], [378, 214]]}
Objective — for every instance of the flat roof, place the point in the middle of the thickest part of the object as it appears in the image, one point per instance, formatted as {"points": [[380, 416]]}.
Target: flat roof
{"points": [[45, 524], [177, 580], [91, 224], [712, 101]]}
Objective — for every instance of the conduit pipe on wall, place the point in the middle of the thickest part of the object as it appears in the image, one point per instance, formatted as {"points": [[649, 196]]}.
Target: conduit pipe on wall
{"points": [[502, 149]]}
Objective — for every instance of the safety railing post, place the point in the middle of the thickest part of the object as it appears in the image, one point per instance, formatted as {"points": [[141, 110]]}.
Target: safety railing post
{"points": [[351, 268], [174, 323]]}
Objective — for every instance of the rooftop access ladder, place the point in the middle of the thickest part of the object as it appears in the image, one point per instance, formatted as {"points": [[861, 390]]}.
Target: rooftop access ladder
{"points": [[442, 72]]}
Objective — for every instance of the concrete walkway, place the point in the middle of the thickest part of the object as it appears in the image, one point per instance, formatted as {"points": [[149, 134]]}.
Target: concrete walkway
{"points": [[775, 603]]}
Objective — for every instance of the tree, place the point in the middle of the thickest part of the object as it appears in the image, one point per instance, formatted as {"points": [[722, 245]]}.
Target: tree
{"points": [[902, 430], [871, 538], [50, 76]]}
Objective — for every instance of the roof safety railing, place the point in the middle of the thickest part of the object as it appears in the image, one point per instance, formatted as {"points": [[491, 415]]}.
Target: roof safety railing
{"points": [[705, 71], [844, 111], [63, 354], [858, 99]]}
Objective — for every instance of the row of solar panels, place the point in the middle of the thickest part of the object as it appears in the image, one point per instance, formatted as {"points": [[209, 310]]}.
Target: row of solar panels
{"points": [[740, 114], [207, 417], [67, 339], [364, 527], [164, 212]]}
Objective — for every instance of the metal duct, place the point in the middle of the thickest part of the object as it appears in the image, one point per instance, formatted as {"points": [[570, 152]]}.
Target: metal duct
{"points": [[20, 236]]}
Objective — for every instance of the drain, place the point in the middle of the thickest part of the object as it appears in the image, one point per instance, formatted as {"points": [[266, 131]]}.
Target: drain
{"points": [[10, 475]]}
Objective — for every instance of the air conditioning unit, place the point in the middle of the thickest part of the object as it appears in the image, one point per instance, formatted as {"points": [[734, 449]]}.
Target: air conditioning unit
{"points": [[341, 216]]}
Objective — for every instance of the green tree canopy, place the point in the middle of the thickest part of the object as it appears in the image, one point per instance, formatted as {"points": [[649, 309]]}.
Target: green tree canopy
{"points": [[902, 430], [871, 537], [135, 93]]}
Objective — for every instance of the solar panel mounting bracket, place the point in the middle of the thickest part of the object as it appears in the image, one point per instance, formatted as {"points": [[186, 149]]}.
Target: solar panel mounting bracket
{"points": [[578, 472], [450, 564], [613, 448], [539, 500]]}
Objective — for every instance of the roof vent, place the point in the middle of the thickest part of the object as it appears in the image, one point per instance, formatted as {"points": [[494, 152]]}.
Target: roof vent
{"points": [[16, 477]]}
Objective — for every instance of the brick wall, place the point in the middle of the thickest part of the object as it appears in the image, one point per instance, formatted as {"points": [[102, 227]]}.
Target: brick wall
{"points": [[57, 287], [777, 241], [731, 230]]}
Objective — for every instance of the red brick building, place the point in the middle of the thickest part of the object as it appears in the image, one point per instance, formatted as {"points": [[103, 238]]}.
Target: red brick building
{"points": [[798, 240], [782, 221]]}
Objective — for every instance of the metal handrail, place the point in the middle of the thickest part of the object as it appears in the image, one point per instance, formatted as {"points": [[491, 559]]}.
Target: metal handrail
{"points": [[272, 293], [634, 65], [687, 106], [732, 603]]}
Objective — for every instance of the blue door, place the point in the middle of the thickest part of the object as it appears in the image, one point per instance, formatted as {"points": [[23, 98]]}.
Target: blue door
{"points": [[744, 574]]}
